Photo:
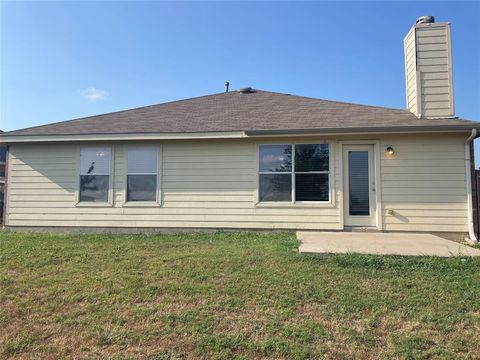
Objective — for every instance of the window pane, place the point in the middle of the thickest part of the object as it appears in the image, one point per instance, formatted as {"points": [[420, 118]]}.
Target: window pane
{"points": [[141, 187], [311, 187], [95, 161], [311, 157], [94, 188], [275, 187], [142, 161], [3, 153], [275, 158]]}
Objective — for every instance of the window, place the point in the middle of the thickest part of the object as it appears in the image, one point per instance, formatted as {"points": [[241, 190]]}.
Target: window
{"points": [[3, 160], [142, 174], [311, 172], [303, 176], [94, 174], [275, 168]]}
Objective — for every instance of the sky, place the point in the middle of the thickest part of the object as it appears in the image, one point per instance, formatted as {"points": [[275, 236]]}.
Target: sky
{"points": [[67, 59]]}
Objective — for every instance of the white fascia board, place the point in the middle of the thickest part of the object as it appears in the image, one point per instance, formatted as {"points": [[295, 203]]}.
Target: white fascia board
{"points": [[120, 137], [339, 133], [223, 135]]}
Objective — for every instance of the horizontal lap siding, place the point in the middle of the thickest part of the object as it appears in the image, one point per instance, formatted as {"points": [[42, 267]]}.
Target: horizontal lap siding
{"points": [[41, 177], [411, 71], [424, 184], [212, 184], [218, 180], [434, 61], [428, 70], [204, 184]]}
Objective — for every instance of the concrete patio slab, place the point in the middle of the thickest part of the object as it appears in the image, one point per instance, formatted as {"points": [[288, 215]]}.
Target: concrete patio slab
{"points": [[407, 244]]}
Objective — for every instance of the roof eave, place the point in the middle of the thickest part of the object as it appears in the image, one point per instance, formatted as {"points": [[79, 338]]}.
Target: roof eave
{"points": [[7, 138], [362, 130]]}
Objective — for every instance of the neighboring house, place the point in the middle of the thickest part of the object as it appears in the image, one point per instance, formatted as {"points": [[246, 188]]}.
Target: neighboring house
{"points": [[3, 158], [254, 159]]}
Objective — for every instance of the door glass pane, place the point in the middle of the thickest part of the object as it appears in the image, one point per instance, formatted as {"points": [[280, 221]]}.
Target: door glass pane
{"points": [[275, 187], [359, 194]]}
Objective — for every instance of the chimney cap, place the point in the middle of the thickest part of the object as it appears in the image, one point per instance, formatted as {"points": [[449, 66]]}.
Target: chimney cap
{"points": [[428, 19]]}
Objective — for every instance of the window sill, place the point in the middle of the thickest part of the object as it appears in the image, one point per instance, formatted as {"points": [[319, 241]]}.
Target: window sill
{"points": [[93, 204], [295, 205], [141, 204]]}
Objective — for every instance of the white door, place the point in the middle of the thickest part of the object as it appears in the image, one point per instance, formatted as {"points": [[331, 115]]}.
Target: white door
{"points": [[359, 186]]}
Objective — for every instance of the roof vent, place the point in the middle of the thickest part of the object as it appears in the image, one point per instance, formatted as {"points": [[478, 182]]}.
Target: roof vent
{"points": [[245, 90], [425, 20]]}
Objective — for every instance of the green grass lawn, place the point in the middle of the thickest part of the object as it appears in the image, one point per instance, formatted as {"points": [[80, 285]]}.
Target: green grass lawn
{"points": [[226, 296]]}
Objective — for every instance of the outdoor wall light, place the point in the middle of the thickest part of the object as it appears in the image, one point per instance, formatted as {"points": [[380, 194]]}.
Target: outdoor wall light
{"points": [[390, 150]]}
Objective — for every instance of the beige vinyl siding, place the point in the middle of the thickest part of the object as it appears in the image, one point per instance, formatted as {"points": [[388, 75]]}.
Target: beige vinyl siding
{"points": [[435, 65], [411, 71], [203, 184], [212, 184], [428, 64], [425, 183]]}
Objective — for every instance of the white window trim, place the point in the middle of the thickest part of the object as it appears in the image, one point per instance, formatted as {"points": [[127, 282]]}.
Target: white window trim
{"points": [[158, 199], [109, 202], [288, 204]]}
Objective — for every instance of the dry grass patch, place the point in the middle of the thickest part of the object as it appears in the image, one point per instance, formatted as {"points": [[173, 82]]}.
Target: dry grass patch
{"points": [[228, 296]]}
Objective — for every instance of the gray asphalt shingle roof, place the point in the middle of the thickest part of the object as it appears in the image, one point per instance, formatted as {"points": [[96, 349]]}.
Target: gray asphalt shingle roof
{"points": [[235, 111]]}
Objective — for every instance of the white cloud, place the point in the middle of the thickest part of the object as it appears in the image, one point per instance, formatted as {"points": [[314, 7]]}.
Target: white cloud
{"points": [[93, 94]]}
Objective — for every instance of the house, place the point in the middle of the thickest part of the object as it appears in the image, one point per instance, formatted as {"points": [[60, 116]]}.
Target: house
{"points": [[3, 158], [253, 159]]}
